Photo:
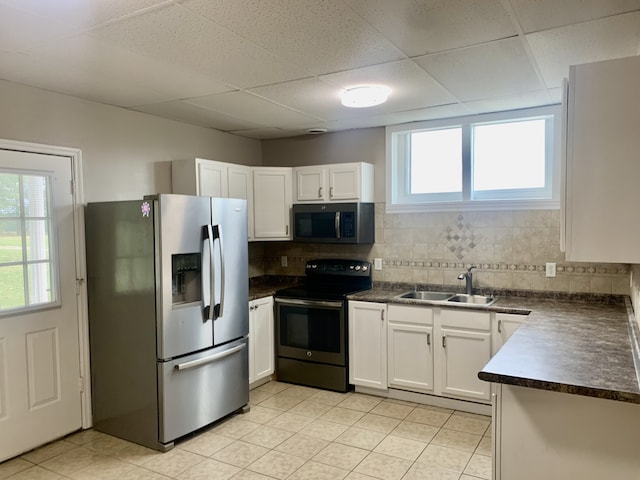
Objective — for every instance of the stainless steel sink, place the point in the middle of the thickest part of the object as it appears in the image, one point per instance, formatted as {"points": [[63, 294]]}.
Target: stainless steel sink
{"points": [[426, 295], [472, 299], [447, 297]]}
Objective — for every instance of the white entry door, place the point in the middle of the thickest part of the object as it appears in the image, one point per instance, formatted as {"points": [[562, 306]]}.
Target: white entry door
{"points": [[39, 343]]}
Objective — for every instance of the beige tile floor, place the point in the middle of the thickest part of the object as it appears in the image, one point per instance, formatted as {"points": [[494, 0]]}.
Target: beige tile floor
{"points": [[292, 433]]}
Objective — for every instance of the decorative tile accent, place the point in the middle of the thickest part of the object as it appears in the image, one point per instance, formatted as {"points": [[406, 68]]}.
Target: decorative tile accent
{"points": [[460, 238]]}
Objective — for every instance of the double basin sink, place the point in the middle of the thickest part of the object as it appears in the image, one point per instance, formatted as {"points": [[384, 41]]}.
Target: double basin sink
{"points": [[460, 298]]}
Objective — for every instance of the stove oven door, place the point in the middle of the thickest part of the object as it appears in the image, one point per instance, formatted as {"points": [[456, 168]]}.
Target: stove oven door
{"points": [[311, 330]]}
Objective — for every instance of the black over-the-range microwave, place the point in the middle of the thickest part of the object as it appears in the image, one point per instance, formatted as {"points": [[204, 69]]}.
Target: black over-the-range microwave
{"points": [[334, 222]]}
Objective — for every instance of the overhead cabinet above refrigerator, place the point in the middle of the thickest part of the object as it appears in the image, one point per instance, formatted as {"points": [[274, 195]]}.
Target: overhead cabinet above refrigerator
{"points": [[168, 314]]}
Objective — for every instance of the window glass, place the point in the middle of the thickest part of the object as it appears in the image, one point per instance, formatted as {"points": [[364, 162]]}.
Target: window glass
{"points": [[436, 161], [26, 264], [509, 156]]}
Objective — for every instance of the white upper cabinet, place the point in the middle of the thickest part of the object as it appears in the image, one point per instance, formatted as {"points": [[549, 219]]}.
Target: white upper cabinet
{"points": [[603, 162], [272, 203], [199, 176], [345, 182]]}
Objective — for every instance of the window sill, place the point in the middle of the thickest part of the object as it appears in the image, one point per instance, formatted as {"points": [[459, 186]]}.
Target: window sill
{"points": [[473, 206]]}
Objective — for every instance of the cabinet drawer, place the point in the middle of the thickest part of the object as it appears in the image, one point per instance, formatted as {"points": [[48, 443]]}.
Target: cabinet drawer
{"points": [[465, 319], [407, 314]]}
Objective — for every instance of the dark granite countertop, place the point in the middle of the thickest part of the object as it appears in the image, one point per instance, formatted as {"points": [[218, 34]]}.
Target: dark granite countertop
{"points": [[268, 285], [585, 345]]}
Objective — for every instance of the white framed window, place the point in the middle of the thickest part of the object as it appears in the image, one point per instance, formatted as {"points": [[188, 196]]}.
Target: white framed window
{"points": [[507, 160], [28, 277]]}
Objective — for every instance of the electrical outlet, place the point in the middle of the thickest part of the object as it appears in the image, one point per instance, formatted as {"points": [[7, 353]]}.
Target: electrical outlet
{"points": [[283, 261], [377, 264], [550, 270]]}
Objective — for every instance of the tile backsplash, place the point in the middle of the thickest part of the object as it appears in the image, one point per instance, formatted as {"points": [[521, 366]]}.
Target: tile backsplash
{"points": [[509, 248]]}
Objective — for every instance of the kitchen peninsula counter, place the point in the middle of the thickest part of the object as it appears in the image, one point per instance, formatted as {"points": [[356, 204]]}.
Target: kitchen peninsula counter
{"points": [[585, 347]]}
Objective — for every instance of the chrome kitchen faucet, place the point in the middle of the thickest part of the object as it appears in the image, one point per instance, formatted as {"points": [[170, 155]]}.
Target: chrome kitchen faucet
{"points": [[468, 277]]}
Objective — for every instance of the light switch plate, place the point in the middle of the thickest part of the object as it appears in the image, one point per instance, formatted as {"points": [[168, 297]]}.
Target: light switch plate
{"points": [[377, 264], [283, 261]]}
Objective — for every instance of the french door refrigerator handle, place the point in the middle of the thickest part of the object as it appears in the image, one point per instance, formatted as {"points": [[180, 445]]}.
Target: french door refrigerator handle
{"points": [[209, 359], [209, 309], [217, 231]]}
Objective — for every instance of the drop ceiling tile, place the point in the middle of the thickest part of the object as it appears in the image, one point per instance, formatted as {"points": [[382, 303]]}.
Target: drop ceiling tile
{"points": [[82, 13], [187, 40], [20, 31], [420, 27], [322, 36], [411, 87], [310, 95], [395, 118], [89, 54], [196, 115], [41, 73], [511, 102], [245, 105], [546, 14], [489, 70], [555, 50]]}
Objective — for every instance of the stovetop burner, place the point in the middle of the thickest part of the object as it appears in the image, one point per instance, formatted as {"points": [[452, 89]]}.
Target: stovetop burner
{"points": [[331, 279]]}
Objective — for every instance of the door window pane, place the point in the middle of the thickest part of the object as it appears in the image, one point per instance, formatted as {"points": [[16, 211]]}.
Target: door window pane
{"points": [[26, 244], [509, 156], [10, 241], [9, 195], [12, 287], [436, 161]]}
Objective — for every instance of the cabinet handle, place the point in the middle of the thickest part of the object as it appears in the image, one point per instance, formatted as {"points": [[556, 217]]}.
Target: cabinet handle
{"points": [[320, 192], [382, 315], [499, 326], [444, 341], [331, 192], [428, 339], [251, 308], [286, 230]]}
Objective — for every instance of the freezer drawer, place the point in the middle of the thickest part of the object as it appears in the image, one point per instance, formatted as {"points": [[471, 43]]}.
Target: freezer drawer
{"points": [[199, 389]]}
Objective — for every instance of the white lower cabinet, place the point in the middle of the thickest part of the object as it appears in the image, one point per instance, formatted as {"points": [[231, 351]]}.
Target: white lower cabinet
{"points": [[410, 348], [368, 344], [464, 349], [502, 327], [261, 339]]}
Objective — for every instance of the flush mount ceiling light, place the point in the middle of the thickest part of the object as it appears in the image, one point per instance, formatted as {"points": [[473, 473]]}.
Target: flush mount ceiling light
{"points": [[365, 96]]}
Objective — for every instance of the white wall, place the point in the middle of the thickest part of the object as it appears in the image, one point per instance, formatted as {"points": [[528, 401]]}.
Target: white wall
{"points": [[125, 154]]}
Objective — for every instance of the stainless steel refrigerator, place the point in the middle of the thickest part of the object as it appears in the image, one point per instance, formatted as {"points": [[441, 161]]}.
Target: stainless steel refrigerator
{"points": [[168, 315]]}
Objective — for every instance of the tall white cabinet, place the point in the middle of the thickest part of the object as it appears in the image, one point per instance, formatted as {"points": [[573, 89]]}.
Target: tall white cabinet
{"points": [[272, 203], [602, 162]]}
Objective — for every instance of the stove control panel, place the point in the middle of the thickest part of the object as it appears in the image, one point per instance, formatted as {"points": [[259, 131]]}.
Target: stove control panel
{"points": [[338, 267]]}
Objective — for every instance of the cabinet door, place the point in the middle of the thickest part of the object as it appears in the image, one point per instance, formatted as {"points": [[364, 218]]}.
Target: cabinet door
{"points": [[464, 354], [367, 344], [310, 184], [212, 179], [272, 203], [602, 162], [261, 340], [344, 182], [410, 357], [503, 327], [240, 181]]}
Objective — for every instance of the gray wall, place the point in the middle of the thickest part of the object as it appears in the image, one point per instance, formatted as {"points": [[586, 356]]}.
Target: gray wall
{"points": [[125, 154]]}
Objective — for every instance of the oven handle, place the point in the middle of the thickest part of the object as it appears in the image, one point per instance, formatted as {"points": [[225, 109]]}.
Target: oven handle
{"points": [[309, 303]]}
